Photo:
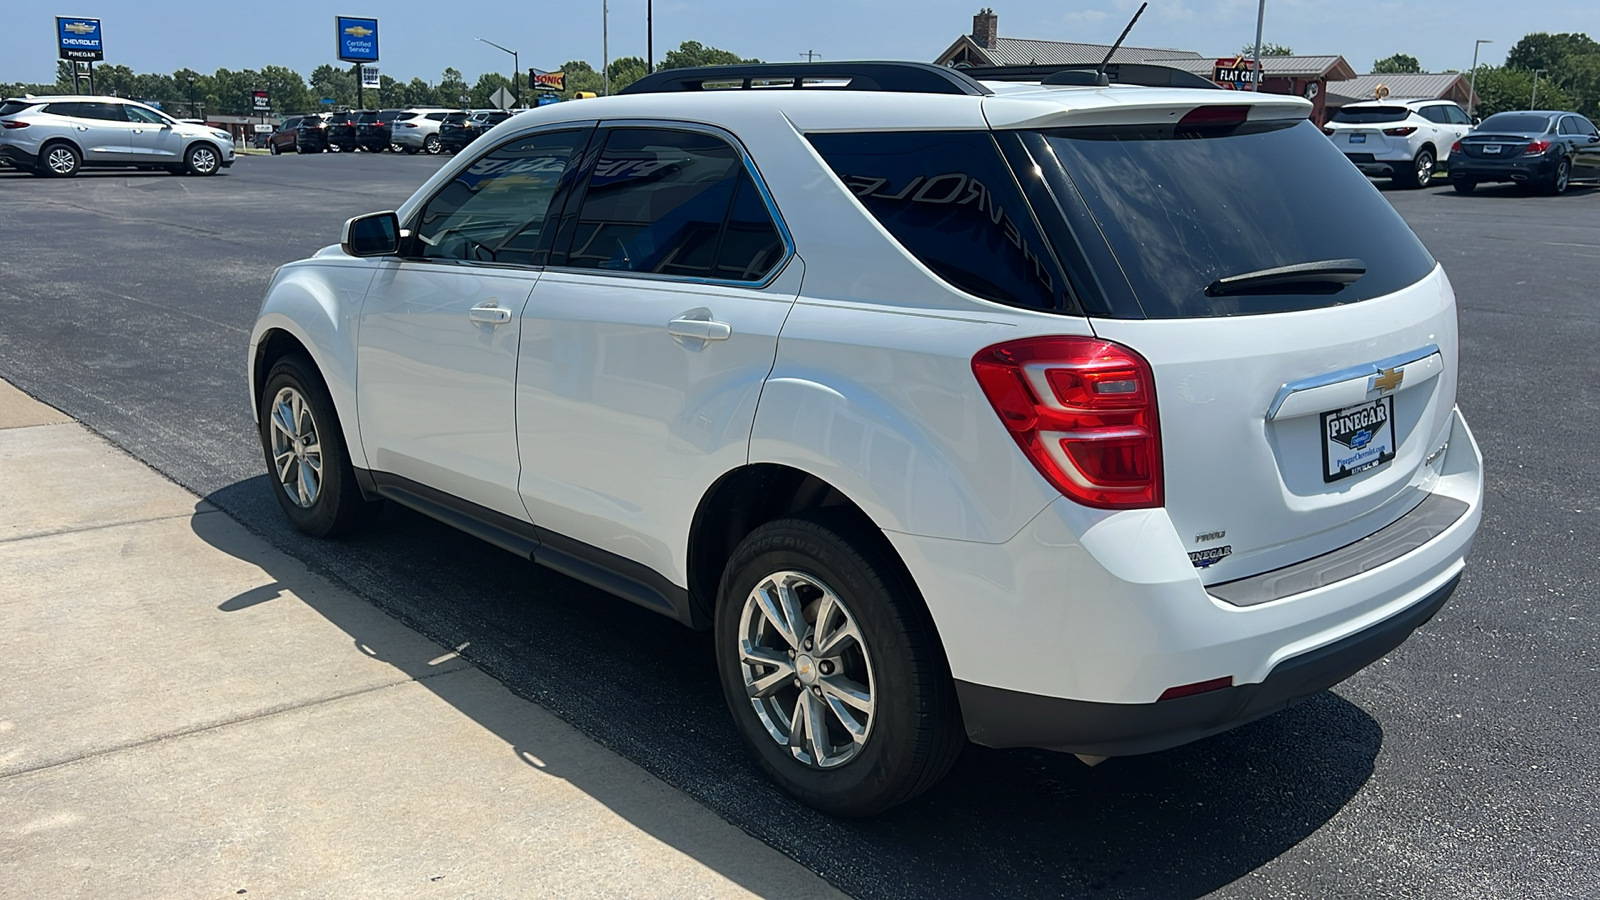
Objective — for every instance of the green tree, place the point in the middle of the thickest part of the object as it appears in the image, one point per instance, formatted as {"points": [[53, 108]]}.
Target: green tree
{"points": [[693, 53], [1398, 64], [580, 77], [1549, 51], [487, 84], [1267, 49], [1502, 88], [451, 87], [625, 71], [286, 89], [338, 84]]}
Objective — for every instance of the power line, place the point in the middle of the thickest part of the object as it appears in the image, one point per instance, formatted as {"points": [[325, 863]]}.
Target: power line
{"points": [[810, 55]]}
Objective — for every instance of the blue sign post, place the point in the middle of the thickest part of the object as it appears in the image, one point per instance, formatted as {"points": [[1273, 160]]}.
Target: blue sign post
{"points": [[358, 39], [79, 39]]}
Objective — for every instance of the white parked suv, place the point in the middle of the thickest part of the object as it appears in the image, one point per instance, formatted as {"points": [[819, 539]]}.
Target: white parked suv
{"points": [[1405, 140], [911, 389], [59, 136], [417, 130]]}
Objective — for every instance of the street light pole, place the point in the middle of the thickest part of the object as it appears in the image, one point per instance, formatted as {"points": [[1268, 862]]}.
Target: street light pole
{"points": [[1472, 88], [1533, 102], [605, 48], [649, 36], [1261, 18], [516, 69]]}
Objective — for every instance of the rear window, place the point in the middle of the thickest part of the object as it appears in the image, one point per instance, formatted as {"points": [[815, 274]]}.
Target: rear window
{"points": [[1181, 210], [12, 107], [1521, 123], [455, 118], [1371, 115]]}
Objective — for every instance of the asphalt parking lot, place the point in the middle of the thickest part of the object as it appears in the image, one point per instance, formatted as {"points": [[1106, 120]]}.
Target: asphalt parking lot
{"points": [[1466, 764]]}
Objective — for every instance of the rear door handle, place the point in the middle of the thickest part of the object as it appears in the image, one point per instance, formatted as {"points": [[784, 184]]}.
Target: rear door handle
{"points": [[701, 329], [489, 314]]}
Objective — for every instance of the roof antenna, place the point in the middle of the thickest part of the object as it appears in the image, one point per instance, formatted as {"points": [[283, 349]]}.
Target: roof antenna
{"points": [[1100, 76]]}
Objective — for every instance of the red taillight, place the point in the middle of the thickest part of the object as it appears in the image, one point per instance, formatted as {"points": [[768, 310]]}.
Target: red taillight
{"points": [[1084, 411], [1402, 131], [1214, 116], [1199, 687], [1536, 148], [1327, 131], [1456, 147], [11, 123]]}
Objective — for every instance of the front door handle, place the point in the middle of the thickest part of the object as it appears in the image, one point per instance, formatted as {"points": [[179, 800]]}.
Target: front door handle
{"points": [[489, 314], [701, 329]]}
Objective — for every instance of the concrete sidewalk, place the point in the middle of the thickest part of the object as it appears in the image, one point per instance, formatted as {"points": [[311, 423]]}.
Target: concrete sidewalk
{"points": [[175, 722]]}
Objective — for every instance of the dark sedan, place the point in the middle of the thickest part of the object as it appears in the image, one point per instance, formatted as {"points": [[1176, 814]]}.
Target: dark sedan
{"points": [[460, 129], [1545, 149]]}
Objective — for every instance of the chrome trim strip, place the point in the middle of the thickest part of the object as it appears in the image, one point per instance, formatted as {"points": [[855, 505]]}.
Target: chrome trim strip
{"points": [[1354, 372]]}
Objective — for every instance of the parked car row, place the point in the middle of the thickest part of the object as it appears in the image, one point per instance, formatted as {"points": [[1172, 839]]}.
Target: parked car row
{"points": [[59, 136], [1409, 141], [398, 130]]}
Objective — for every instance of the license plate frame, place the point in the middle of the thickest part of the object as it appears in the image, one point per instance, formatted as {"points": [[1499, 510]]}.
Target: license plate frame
{"points": [[1492, 149], [1358, 139], [1357, 438]]}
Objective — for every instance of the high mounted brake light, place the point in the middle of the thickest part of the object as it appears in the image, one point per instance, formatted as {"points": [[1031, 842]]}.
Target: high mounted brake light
{"points": [[1214, 117], [1084, 412]]}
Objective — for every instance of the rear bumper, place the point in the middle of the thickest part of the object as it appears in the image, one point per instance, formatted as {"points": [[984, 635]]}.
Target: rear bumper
{"points": [[1067, 635], [1521, 168], [997, 717], [18, 156], [1380, 164]]}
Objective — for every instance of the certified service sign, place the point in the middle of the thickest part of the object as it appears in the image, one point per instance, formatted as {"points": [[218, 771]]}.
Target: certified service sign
{"points": [[79, 39], [358, 39]]}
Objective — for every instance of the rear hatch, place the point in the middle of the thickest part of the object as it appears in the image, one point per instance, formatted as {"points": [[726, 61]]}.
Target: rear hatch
{"points": [[1370, 129], [1296, 408]]}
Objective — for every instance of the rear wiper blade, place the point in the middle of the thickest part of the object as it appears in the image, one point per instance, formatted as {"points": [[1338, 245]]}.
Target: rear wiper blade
{"points": [[1327, 275]]}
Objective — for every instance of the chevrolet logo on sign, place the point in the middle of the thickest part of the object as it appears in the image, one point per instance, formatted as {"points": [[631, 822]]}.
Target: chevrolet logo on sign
{"points": [[358, 31], [79, 27]]}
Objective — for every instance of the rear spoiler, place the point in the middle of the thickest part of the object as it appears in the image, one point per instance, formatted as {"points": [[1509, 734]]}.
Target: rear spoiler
{"points": [[1142, 74]]}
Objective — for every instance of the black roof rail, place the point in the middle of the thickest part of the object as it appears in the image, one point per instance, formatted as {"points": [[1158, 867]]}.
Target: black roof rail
{"points": [[893, 77], [1142, 74]]}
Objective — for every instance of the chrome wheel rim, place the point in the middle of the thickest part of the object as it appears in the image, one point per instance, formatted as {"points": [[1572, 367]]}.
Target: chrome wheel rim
{"points": [[431, 144], [61, 161], [806, 669], [203, 160], [1563, 175], [296, 449], [1424, 168]]}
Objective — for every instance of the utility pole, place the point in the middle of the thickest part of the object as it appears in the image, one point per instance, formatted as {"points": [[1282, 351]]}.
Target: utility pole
{"points": [[649, 36], [1261, 18], [1533, 102], [605, 48], [810, 55], [1472, 89]]}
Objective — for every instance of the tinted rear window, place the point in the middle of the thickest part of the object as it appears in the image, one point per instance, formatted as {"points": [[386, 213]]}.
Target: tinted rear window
{"points": [[950, 200], [1517, 123], [1370, 115], [12, 107], [1182, 210]]}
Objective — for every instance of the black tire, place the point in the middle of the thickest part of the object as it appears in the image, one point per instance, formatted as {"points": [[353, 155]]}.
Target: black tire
{"points": [[1421, 173], [914, 732], [202, 159], [411, 151], [272, 150], [59, 159], [1560, 180], [432, 145], [337, 506], [1463, 185]]}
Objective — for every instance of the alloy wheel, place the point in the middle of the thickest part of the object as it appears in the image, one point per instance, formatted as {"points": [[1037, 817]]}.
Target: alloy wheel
{"points": [[203, 160], [1563, 176], [1424, 168], [296, 449], [806, 669], [61, 161]]}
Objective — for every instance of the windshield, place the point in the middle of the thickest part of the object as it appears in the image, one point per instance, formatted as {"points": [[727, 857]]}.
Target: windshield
{"points": [[1516, 123], [1371, 115], [1180, 210]]}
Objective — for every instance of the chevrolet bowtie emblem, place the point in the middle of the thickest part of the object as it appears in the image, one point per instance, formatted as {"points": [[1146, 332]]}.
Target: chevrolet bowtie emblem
{"points": [[358, 31], [78, 27], [1388, 379]]}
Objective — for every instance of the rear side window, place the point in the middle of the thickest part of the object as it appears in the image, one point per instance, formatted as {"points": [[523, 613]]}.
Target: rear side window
{"points": [[1434, 114], [1181, 210], [12, 107], [674, 203], [950, 200], [1456, 116], [437, 117], [494, 211], [1371, 115]]}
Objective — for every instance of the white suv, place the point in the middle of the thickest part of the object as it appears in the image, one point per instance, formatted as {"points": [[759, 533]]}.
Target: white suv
{"points": [[1095, 418], [1405, 140], [417, 130]]}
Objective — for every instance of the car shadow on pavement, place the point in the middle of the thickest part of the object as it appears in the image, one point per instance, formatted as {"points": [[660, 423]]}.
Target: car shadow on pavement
{"points": [[1013, 823]]}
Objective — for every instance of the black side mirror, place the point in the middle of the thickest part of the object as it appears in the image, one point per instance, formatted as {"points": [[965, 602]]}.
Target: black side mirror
{"points": [[374, 234], [1477, 120]]}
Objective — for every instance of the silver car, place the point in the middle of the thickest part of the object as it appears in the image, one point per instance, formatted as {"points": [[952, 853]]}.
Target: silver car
{"points": [[418, 129], [57, 136]]}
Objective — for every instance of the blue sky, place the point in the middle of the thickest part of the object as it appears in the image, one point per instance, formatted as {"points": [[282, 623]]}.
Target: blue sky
{"points": [[421, 37]]}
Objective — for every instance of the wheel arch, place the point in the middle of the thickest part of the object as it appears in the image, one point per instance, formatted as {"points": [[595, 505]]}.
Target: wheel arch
{"points": [[44, 148]]}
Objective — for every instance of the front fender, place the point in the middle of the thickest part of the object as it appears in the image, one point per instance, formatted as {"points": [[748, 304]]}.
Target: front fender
{"points": [[318, 303]]}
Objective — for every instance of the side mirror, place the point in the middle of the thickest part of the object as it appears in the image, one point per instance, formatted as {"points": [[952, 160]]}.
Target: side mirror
{"points": [[374, 234], [1477, 120]]}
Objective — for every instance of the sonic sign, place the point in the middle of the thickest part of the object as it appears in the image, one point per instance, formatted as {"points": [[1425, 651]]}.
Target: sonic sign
{"points": [[358, 39], [1236, 74], [79, 39]]}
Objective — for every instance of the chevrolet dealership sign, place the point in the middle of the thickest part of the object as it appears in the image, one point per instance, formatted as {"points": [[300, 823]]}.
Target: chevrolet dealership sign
{"points": [[79, 39]]}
